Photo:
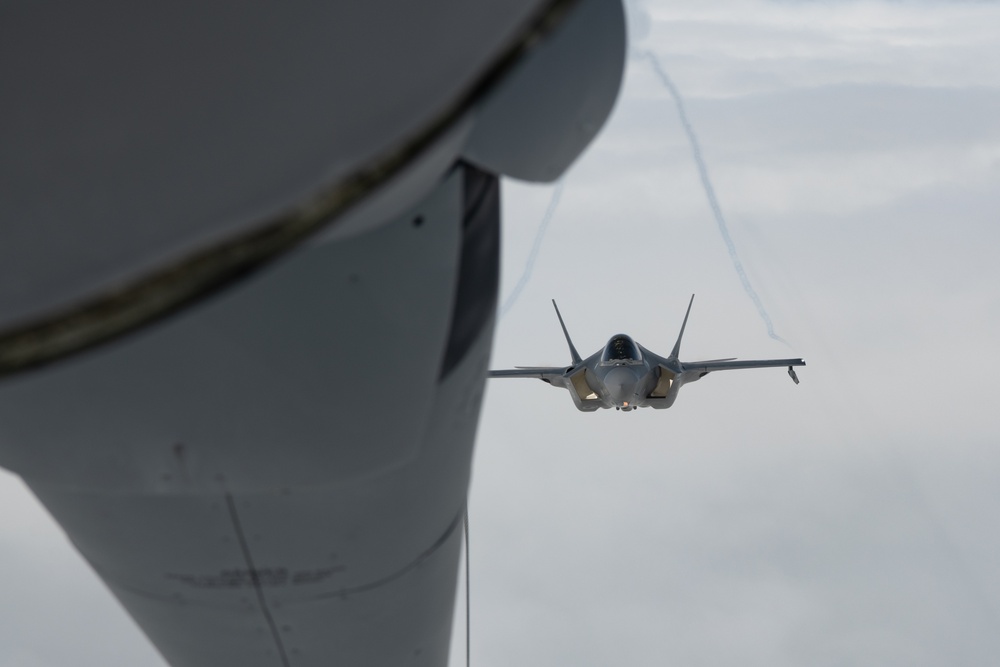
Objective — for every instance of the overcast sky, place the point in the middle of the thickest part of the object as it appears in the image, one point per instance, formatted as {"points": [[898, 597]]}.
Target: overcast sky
{"points": [[851, 520]]}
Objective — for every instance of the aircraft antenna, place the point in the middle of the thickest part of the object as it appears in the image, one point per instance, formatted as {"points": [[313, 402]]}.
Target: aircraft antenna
{"points": [[468, 645]]}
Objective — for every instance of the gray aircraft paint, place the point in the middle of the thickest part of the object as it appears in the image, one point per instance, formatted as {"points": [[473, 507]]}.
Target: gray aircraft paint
{"points": [[209, 473], [276, 473], [642, 379]]}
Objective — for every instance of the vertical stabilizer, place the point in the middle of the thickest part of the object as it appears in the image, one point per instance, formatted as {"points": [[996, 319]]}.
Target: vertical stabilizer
{"points": [[677, 346], [572, 350]]}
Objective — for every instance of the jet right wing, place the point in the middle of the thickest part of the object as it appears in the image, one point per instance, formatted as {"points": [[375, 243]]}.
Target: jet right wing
{"points": [[545, 373]]}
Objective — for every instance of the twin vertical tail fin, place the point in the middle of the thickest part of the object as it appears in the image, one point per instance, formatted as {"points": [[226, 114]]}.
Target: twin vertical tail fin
{"points": [[572, 350], [576, 355], [677, 346]]}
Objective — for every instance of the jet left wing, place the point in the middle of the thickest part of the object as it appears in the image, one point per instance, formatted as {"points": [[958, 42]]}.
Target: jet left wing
{"points": [[705, 367], [573, 378], [709, 366]]}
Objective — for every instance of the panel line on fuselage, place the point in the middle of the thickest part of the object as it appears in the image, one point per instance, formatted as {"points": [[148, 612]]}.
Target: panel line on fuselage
{"points": [[412, 565], [255, 579]]}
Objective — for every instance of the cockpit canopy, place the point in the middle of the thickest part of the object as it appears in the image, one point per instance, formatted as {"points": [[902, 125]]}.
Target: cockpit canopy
{"points": [[621, 348]]}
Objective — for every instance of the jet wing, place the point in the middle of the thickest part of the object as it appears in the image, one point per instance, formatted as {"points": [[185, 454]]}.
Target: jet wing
{"points": [[573, 378], [546, 373], [709, 366], [703, 368]]}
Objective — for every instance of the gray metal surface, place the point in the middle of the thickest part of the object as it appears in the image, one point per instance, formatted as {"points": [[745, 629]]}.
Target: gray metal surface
{"points": [[234, 475], [135, 134], [552, 84], [556, 101], [247, 295]]}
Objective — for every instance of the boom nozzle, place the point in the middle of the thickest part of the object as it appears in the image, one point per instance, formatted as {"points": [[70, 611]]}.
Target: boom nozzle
{"points": [[791, 374]]}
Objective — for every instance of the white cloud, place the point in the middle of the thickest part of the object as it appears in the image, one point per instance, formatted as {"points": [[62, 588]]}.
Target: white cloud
{"points": [[734, 47]]}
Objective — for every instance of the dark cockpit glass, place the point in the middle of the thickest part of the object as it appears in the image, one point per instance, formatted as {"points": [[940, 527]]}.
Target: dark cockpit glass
{"points": [[621, 348]]}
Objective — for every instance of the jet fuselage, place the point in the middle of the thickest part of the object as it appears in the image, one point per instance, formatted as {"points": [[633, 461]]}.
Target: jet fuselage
{"points": [[621, 377]]}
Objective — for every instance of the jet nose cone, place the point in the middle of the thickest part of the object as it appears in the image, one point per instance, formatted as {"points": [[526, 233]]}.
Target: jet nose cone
{"points": [[620, 382]]}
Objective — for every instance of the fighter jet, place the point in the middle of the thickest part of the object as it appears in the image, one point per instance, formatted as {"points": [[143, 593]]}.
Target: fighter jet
{"points": [[625, 375]]}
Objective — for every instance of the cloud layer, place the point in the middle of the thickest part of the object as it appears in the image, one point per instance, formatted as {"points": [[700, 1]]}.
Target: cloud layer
{"points": [[855, 151]]}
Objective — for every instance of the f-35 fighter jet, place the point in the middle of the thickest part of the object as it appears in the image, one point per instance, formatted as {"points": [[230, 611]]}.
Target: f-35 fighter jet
{"points": [[625, 375]]}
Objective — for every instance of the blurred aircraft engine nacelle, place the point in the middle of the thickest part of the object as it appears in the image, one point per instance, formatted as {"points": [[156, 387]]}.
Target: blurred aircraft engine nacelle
{"points": [[248, 281]]}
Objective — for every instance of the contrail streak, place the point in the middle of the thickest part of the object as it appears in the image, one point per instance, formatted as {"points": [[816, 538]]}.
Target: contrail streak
{"points": [[535, 247], [713, 202]]}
